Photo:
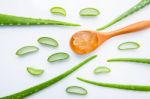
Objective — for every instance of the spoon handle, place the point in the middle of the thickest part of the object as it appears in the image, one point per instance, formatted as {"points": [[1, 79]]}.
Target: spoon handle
{"points": [[131, 28]]}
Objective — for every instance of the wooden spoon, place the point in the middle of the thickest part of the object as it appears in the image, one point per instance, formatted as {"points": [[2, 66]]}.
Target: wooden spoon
{"points": [[86, 41]]}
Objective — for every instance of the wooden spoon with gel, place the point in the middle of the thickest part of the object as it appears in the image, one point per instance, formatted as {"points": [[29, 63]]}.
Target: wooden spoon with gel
{"points": [[86, 41]]}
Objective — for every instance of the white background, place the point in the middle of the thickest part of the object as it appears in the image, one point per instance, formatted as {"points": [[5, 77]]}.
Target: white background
{"points": [[13, 74]]}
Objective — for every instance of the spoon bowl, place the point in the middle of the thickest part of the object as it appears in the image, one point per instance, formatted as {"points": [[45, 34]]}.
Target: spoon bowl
{"points": [[86, 41]]}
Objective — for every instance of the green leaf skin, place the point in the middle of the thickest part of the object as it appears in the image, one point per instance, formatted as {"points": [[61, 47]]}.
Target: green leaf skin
{"points": [[118, 86], [37, 88], [135, 8], [10, 20], [137, 60]]}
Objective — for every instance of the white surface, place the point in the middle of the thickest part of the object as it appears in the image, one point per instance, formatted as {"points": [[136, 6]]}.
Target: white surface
{"points": [[13, 75]]}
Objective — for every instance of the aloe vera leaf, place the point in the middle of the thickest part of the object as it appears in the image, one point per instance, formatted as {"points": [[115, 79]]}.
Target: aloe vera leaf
{"points": [[39, 87], [35, 71], [118, 86], [76, 90], [58, 56], [10, 20], [26, 50], [137, 60], [135, 8], [58, 10]]}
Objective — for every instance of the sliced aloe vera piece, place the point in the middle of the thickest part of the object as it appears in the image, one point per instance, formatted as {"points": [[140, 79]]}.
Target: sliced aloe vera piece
{"points": [[89, 12], [34, 71], [26, 50], [128, 46], [101, 69], [58, 10], [48, 41], [76, 90], [58, 56]]}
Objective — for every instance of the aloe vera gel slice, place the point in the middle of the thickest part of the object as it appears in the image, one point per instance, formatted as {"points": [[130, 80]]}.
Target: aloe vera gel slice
{"points": [[26, 50], [58, 10], [48, 41], [34, 71], [76, 90], [58, 56], [89, 12], [128, 46], [101, 69]]}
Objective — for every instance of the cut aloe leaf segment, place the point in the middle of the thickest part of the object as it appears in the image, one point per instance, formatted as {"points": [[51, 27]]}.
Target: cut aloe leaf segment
{"points": [[101, 69], [76, 90], [58, 10], [89, 12], [58, 56], [128, 46], [48, 41], [26, 49], [34, 71]]}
